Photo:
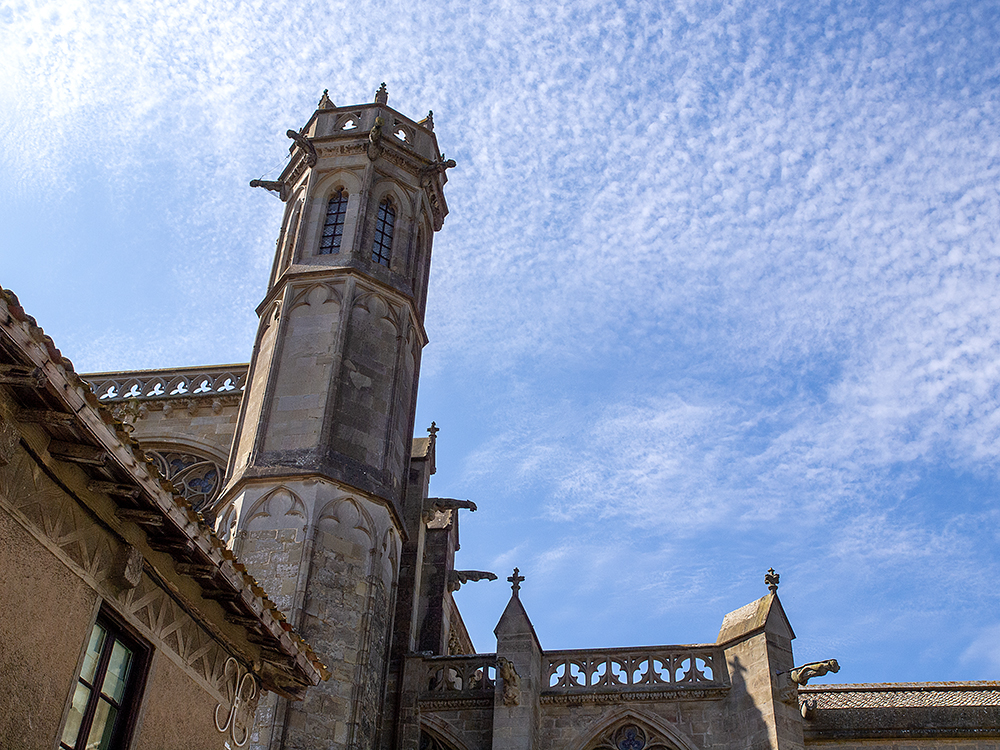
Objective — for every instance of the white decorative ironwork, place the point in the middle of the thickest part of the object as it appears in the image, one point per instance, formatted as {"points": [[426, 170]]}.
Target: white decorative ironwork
{"points": [[158, 384], [620, 669], [241, 693]]}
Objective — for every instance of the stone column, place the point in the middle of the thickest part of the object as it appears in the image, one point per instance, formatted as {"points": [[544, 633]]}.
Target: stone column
{"points": [[519, 677]]}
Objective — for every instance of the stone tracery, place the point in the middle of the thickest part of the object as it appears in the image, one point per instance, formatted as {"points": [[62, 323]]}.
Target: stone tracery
{"points": [[198, 479]]}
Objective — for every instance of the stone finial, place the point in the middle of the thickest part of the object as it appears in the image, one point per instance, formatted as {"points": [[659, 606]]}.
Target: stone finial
{"points": [[433, 430], [515, 581], [382, 95], [324, 101], [771, 580], [429, 120]]}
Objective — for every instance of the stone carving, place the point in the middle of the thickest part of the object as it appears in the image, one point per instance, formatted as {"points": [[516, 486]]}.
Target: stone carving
{"points": [[242, 690], [382, 95], [802, 675], [275, 187], [808, 709], [771, 580], [127, 570], [319, 293], [375, 139], [307, 148], [9, 438], [457, 577], [325, 102], [460, 673], [623, 669], [511, 682], [515, 581], [197, 479], [629, 736]]}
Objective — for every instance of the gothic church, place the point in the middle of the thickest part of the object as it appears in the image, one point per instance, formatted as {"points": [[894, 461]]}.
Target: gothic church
{"points": [[251, 555]]}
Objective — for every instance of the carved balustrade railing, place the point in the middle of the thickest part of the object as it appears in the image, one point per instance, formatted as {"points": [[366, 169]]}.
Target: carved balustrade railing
{"points": [[603, 670], [187, 382], [458, 676]]}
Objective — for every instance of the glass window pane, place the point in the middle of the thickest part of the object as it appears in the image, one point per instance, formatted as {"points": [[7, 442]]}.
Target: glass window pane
{"points": [[93, 654], [75, 714], [103, 726], [114, 680]]}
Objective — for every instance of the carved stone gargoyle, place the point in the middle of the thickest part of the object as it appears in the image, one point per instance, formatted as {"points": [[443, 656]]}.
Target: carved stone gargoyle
{"points": [[307, 148], [511, 682], [457, 577], [437, 504], [277, 187], [798, 676], [802, 675]]}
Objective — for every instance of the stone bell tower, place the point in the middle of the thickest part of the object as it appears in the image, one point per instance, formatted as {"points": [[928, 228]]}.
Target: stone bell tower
{"points": [[316, 477]]}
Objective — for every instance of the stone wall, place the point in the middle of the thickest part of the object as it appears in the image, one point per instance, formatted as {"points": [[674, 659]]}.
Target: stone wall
{"points": [[60, 561], [329, 557]]}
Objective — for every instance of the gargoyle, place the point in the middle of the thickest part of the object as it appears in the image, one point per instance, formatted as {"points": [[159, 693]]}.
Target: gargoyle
{"points": [[275, 187], [437, 505], [511, 682], [375, 139], [307, 148], [802, 675], [457, 577], [449, 503]]}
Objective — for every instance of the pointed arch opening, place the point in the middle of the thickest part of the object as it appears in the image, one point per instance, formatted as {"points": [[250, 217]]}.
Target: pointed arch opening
{"points": [[333, 228], [625, 728], [385, 225]]}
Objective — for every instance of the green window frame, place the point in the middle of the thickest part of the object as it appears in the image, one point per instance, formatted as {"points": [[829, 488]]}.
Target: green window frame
{"points": [[106, 694]]}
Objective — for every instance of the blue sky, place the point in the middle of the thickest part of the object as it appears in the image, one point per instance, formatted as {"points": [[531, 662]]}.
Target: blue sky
{"points": [[717, 291]]}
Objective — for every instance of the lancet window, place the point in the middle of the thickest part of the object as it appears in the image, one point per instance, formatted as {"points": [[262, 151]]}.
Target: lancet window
{"points": [[385, 223], [333, 229]]}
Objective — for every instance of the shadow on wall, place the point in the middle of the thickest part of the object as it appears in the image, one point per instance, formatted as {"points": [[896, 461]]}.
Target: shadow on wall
{"points": [[744, 721]]}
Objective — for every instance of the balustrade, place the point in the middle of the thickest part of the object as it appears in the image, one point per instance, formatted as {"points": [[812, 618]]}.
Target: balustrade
{"points": [[451, 675], [621, 669], [111, 387]]}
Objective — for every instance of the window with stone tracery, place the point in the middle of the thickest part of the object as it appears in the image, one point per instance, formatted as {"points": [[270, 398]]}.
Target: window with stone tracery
{"points": [[384, 225], [629, 736], [198, 479], [333, 229]]}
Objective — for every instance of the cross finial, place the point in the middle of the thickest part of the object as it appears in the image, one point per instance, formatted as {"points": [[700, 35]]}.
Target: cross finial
{"points": [[382, 95], [515, 581], [433, 430], [324, 102], [771, 579]]}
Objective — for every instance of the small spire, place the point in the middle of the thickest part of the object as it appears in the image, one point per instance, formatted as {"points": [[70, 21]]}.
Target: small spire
{"points": [[382, 95], [433, 430], [771, 579], [429, 120], [324, 102], [515, 581]]}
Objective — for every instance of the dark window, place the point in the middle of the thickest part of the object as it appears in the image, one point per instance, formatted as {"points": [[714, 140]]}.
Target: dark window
{"points": [[106, 691], [333, 230], [384, 223]]}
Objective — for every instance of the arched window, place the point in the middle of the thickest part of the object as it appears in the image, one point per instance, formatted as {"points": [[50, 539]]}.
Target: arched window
{"points": [[333, 230], [384, 224]]}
